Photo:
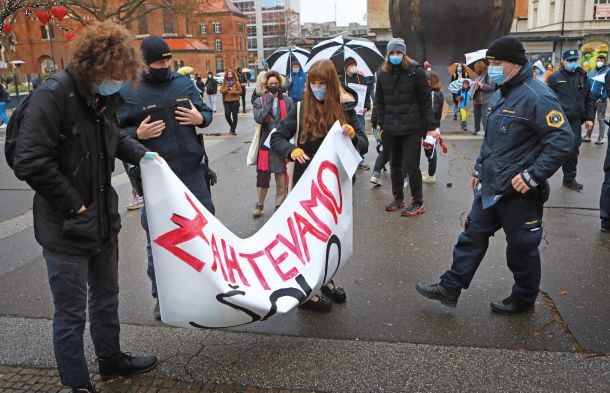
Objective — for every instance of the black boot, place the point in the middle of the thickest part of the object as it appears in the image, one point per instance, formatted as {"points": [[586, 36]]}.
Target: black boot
{"points": [[321, 305], [512, 306], [336, 293], [438, 292], [88, 388], [573, 185], [124, 364]]}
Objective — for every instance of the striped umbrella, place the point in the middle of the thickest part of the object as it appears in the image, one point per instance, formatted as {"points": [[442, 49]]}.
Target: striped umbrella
{"points": [[338, 49], [281, 60]]}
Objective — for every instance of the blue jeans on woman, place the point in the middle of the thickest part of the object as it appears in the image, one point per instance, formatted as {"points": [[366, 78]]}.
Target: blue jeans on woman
{"points": [[3, 115]]}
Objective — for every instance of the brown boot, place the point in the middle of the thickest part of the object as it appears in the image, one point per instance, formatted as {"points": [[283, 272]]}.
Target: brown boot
{"points": [[258, 211]]}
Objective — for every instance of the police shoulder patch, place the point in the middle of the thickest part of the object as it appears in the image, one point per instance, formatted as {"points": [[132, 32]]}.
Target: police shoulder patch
{"points": [[555, 119]]}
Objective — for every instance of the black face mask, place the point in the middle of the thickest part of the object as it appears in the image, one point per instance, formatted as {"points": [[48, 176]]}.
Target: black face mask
{"points": [[274, 89], [160, 74]]}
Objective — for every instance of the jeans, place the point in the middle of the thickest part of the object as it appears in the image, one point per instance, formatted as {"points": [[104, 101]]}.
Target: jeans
{"points": [[69, 276], [231, 111], [3, 115], [243, 100], [479, 116], [521, 218], [569, 167], [604, 200], [406, 149], [600, 110], [212, 101], [432, 157], [194, 180]]}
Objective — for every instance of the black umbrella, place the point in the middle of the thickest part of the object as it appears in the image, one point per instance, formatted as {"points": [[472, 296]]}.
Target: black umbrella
{"points": [[281, 60], [338, 49]]}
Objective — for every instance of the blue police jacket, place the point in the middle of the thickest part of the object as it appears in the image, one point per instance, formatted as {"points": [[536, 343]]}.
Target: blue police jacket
{"points": [[179, 145], [296, 88], [527, 133]]}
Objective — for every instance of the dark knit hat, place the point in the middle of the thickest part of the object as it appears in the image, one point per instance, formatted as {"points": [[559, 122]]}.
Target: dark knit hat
{"points": [[396, 44], [350, 59], [155, 48], [508, 49]]}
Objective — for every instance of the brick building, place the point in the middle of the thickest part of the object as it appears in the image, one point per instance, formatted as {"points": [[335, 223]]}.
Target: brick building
{"points": [[209, 39]]}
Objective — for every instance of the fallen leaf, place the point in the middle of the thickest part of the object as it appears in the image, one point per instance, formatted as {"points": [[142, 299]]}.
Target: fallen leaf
{"points": [[563, 293]]}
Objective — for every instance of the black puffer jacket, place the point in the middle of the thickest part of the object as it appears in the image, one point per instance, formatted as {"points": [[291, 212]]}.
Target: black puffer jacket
{"points": [[404, 101], [67, 147]]}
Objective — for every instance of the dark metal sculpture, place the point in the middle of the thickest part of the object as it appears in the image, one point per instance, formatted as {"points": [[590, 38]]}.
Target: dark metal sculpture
{"points": [[441, 31]]}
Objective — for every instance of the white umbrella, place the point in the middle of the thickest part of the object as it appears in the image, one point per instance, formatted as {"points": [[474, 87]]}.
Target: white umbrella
{"points": [[456, 85]]}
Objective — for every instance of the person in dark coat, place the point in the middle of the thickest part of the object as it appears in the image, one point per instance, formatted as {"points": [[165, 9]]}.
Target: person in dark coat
{"points": [[270, 109], [404, 111], [438, 102], [325, 102], [211, 89], [571, 86], [243, 81], [68, 141], [295, 83], [162, 113], [527, 140]]}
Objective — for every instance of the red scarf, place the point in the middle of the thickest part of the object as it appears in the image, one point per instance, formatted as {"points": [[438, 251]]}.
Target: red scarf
{"points": [[283, 112]]}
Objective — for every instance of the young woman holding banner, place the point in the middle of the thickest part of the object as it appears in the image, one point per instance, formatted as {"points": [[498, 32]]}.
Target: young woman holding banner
{"points": [[325, 101]]}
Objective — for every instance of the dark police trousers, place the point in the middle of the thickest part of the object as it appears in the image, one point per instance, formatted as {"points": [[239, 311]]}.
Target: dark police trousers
{"points": [[521, 218], [68, 278], [604, 200], [569, 167], [194, 180]]}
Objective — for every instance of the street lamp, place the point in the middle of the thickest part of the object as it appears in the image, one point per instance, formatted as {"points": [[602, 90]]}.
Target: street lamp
{"points": [[16, 64]]}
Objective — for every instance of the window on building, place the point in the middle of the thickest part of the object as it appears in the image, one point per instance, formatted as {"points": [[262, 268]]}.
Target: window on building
{"points": [[218, 45], [168, 21], [45, 30], [142, 25], [601, 9], [240, 27], [176, 65], [220, 65], [203, 29], [216, 27], [241, 45]]}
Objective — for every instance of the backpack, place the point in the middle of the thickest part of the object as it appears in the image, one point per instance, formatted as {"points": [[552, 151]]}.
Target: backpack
{"points": [[14, 124]]}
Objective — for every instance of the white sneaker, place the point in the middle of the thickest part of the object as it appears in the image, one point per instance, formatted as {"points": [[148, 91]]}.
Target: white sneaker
{"points": [[406, 182], [428, 179], [376, 181], [2, 125]]}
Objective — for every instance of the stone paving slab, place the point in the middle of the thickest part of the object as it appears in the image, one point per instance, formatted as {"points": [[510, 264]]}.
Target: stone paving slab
{"points": [[17, 379]]}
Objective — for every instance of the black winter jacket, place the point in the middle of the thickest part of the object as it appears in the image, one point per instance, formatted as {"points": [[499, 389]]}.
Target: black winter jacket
{"points": [[280, 141], [574, 94], [211, 86], [438, 101], [404, 101], [68, 142], [178, 145]]}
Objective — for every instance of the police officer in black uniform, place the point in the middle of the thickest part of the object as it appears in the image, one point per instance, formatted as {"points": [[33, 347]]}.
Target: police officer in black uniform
{"points": [[527, 139], [572, 88]]}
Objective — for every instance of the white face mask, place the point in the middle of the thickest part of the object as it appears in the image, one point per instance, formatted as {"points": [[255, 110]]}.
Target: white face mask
{"points": [[600, 64], [352, 69]]}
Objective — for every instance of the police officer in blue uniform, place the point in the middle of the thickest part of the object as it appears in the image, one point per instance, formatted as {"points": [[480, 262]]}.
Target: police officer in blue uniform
{"points": [[573, 90], [526, 140], [162, 113], [604, 199]]}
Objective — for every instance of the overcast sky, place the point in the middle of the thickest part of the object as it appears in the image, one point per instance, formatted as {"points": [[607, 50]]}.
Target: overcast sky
{"points": [[324, 11]]}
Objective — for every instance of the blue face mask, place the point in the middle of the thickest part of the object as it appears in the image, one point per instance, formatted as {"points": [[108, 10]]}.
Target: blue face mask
{"points": [[108, 87], [496, 74], [571, 66], [396, 59], [459, 69], [318, 92]]}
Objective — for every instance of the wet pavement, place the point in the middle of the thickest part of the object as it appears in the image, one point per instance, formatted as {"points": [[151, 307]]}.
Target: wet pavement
{"points": [[383, 314]]}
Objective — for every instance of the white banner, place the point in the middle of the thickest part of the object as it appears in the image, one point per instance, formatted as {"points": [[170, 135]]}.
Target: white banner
{"points": [[209, 277], [361, 91]]}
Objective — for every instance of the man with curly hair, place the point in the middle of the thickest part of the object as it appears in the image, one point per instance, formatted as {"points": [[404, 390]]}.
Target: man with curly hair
{"points": [[68, 141]]}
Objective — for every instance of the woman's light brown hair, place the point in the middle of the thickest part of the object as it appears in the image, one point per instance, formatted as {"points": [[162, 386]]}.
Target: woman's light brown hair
{"points": [[434, 81], [318, 117], [276, 75], [106, 50]]}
